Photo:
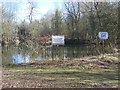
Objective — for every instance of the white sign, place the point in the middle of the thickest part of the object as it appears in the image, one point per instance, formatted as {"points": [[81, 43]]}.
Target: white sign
{"points": [[103, 35], [58, 40]]}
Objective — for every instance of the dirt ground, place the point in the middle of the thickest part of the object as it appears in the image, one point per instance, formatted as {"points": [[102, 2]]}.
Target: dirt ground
{"points": [[86, 72]]}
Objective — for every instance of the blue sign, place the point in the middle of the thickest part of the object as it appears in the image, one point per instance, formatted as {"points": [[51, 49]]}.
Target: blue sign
{"points": [[103, 35]]}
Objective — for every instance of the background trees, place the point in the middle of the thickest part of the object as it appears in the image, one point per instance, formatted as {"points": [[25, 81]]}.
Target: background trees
{"points": [[23, 33], [73, 18], [8, 15], [57, 23], [81, 20]]}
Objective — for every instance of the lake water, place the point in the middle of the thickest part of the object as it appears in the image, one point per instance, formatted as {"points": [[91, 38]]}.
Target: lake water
{"points": [[26, 53]]}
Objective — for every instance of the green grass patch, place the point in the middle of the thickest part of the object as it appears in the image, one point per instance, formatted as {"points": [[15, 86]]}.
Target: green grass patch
{"points": [[67, 76]]}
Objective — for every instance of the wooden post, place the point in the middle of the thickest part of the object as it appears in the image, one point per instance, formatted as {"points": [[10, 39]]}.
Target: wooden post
{"points": [[103, 48], [52, 53], [63, 52]]}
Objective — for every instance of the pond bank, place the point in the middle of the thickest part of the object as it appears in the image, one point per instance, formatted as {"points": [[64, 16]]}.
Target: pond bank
{"points": [[75, 73]]}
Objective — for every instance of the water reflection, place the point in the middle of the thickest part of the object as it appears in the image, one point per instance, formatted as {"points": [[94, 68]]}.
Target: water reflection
{"points": [[19, 58], [25, 53]]}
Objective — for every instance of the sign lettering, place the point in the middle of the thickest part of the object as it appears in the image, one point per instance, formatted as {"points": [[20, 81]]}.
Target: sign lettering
{"points": [[57, 40], [103, 35]]}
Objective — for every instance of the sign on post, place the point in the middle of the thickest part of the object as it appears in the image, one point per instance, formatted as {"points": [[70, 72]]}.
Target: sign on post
{"points": [[57, 40], [103, 35]]}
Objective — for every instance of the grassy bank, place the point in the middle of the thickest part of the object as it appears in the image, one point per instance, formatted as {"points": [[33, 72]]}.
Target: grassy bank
{"points": [[75, 73]]}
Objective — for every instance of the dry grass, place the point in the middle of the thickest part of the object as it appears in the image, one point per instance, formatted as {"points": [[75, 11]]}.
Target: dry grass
{"points": [[75, 73]]}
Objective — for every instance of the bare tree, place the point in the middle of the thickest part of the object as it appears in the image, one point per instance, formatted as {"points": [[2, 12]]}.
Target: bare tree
{"points": [[74, 14], [8, 18], [32, 7]]}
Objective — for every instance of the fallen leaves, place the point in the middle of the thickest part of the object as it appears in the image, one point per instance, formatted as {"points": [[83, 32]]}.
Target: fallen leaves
{"points": [[77, 72]]}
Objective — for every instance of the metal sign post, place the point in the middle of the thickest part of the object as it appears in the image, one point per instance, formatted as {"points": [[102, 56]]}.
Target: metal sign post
{"points": [[103, 36]]}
